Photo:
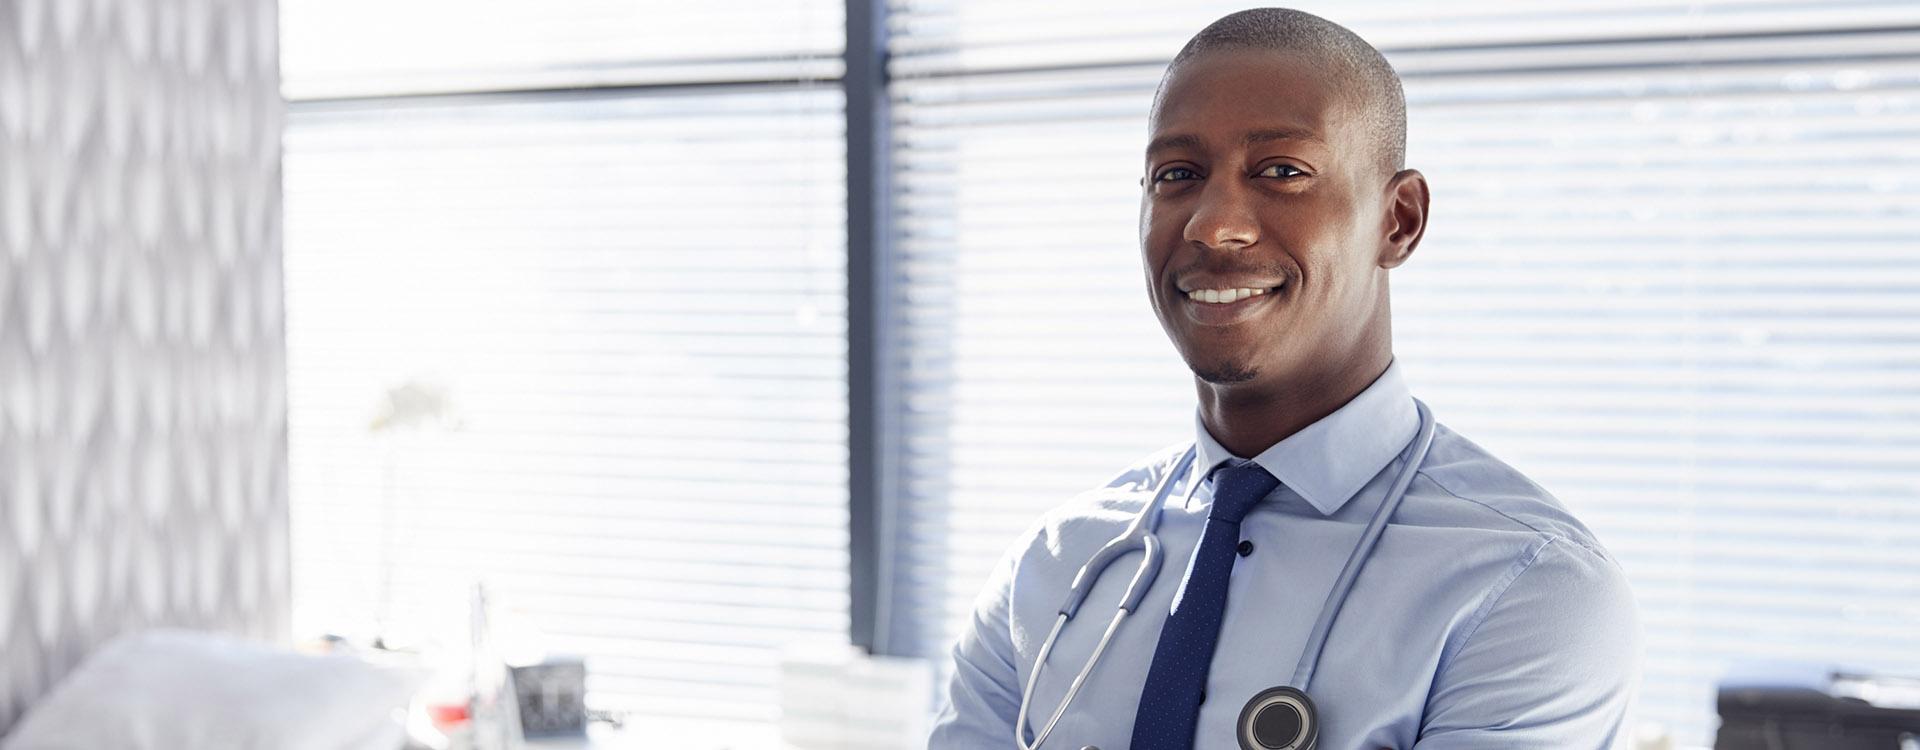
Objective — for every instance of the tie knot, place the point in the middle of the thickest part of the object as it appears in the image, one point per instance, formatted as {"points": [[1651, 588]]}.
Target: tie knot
{"points": [[1237, 488]]}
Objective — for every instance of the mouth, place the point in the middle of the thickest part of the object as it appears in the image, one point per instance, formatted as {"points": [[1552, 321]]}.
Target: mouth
{"points": [[1227, 306]]}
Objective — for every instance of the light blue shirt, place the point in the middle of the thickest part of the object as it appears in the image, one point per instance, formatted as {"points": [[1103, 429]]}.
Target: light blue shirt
{"points": [[1488, 616]]}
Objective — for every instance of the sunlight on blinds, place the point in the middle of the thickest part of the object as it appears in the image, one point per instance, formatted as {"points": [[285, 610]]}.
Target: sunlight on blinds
{"points": [[634, 305]]}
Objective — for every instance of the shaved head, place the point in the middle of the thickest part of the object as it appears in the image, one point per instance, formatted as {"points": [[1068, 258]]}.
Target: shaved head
{"points": [[1381, 106]]}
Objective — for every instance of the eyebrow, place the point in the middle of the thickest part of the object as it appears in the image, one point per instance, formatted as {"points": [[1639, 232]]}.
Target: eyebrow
{"points": [[1252, 138]]}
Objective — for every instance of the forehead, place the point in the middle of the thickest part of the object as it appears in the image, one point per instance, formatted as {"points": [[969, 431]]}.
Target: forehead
{"points": [[1221, 97]]}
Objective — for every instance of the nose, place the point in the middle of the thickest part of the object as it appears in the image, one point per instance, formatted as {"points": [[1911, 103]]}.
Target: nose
{"points": [[1224, 218]]}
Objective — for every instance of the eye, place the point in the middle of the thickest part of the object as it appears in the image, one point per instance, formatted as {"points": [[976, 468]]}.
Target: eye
{"points": [[1281, 170], [1175, 174]]}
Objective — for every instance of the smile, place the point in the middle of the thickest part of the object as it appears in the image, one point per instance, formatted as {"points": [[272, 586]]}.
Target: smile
{"points": [[1225, 307], [1223, 296]]}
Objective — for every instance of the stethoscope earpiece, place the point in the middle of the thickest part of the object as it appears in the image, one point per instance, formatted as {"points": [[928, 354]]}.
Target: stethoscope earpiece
{"points": [[1279, 718]]}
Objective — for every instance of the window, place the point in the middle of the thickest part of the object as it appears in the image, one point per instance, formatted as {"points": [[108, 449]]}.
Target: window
{"points": [[607, 259]]}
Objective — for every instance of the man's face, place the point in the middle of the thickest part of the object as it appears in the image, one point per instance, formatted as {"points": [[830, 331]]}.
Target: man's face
{"points": [[1261, 180]]}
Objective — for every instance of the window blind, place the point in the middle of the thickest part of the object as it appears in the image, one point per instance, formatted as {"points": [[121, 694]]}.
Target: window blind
{"points": [[1671, 275], [373, 48], [630, 300]]}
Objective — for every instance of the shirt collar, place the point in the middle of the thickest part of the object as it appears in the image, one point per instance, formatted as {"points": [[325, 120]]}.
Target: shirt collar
{"points": [[1330, 460]]}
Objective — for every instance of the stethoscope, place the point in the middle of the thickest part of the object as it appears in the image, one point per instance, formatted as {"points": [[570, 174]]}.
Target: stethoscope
{"points": [[1278, 718]]}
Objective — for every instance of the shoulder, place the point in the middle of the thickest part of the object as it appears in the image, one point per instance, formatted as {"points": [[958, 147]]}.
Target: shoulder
{"points": [[1484, 491], [1097, 512], [1144, 473], [1559, 580], [1568, 609], [1557, 639]]}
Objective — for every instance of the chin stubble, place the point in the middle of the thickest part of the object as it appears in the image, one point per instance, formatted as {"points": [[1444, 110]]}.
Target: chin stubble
{"points": [[1225, 374]]}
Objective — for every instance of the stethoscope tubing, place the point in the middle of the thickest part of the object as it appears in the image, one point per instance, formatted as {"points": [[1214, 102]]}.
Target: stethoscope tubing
{"points": [[1140, 535], [1415, 454]]}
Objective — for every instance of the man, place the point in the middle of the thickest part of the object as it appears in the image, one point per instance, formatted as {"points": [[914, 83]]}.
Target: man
{"points": [[1275, 203]]}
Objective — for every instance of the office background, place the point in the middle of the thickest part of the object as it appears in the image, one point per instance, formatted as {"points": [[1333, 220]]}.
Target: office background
{"points": [[714, 335], [1671, 274]]}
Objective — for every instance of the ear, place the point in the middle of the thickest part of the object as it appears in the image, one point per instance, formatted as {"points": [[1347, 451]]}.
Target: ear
{"points": [[1406, 217]]}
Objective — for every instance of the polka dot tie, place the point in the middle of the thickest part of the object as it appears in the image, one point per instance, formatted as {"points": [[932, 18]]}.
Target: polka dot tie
{"points": [[1177, 680]]}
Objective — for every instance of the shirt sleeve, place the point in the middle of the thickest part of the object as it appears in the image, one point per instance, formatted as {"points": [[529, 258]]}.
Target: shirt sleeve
{"points": [[983, 696], [1551, 664]]}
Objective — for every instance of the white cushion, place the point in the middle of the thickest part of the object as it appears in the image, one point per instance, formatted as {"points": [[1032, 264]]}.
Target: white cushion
{"points": [[170, 689]]}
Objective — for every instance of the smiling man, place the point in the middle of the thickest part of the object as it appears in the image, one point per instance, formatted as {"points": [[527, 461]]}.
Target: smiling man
{"points": [[1323, 566]]}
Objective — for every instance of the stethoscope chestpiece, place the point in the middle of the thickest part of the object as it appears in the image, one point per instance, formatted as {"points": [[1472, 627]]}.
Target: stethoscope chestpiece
{"points": [[1279, 718]]}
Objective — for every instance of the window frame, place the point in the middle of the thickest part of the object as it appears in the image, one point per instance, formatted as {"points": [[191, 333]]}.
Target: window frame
{"points": [[873, 461]]}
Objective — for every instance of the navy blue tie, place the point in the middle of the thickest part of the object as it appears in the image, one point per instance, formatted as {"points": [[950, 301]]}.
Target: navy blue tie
{"points": [[1177, 680]]}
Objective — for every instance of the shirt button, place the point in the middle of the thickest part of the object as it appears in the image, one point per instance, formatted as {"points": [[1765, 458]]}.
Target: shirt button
{"points": [[1245, 548]]}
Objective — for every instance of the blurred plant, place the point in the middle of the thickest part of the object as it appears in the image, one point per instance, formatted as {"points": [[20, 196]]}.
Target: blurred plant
{"points": [[410, 407], [414, 404]]}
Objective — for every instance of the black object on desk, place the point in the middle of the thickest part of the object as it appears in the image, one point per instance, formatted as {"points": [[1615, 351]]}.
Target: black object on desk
{"points": [[552, 697], [1795, 707]]}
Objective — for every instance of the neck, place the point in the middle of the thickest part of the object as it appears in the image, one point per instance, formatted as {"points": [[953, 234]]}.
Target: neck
{"points": [[1248, 418]]}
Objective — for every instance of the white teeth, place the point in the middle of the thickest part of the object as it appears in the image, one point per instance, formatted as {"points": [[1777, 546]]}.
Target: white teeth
{"points": [[1223, 296]]}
